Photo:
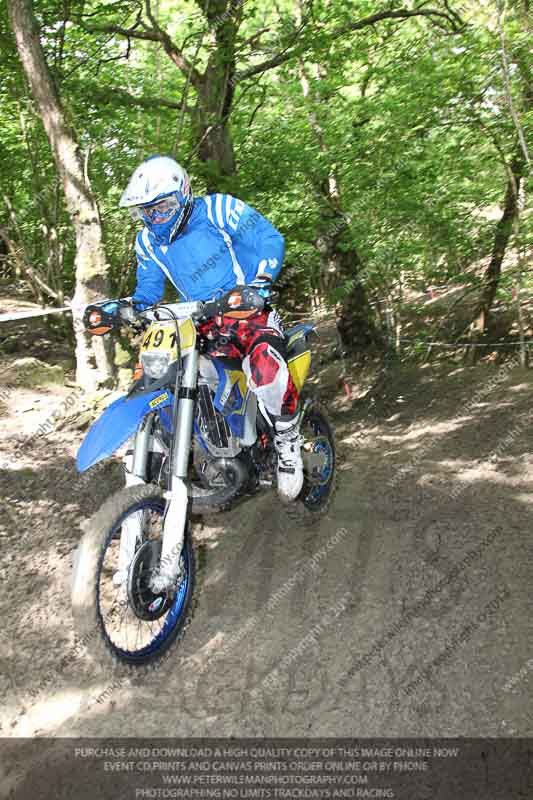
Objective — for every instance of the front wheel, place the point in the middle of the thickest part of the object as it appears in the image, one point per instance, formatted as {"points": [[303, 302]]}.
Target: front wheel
{"points": [[320, 465], [129, 622]]}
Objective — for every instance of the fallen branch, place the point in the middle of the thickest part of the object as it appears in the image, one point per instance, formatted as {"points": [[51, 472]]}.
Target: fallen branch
{"points": [[24, 267]]}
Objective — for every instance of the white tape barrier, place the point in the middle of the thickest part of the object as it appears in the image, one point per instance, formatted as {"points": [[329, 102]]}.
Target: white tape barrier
{"points": [[29, 314]]}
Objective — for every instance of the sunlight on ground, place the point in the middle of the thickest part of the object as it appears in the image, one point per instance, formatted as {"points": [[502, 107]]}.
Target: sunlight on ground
{"points": [[491, 404], [454, 464], [360, 435], [214, 644], [48, 714], [427, 431], [525, 498], [23, 466], [208, 651], [520, 387], [216, 574], [483, 473]]}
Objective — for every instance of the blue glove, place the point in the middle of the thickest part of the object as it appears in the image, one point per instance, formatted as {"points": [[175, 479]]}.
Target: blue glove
{"points": [[263, 286], [111, 308]]}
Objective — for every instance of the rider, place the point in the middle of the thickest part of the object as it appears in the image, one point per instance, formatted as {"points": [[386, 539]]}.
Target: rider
{"points": [[206, 246]]}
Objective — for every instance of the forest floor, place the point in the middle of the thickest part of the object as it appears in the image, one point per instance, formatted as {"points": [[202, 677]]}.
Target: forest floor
{"points": [[427, 548]]}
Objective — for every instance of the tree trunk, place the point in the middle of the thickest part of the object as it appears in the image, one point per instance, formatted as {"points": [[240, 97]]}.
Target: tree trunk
{"points": [[50, 252], [355, 320], [92, 356], [502, 235], [215, 94], [214, 142], [515, 173]]}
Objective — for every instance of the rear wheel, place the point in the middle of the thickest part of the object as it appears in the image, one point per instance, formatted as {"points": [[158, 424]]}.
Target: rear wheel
{"points": [[320, 465], [129, 622]]}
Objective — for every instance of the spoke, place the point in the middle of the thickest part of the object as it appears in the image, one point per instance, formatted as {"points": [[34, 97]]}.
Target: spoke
{"points": [[124, 613], [126, 636], [118, 617]]}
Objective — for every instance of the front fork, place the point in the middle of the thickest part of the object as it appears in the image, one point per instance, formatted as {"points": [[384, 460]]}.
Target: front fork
{"points": [[136, 463], [136, 473], [175, 518]]}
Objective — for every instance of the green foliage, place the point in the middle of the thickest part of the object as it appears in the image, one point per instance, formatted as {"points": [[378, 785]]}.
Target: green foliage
{"points": [[414, 125]]}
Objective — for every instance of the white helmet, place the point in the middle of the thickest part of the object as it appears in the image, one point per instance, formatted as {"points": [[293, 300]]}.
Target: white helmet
{"points": [[157, 179]]}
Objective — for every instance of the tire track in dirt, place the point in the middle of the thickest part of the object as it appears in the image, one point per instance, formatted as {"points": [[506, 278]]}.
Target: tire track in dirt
{"points": [[397, 545]]}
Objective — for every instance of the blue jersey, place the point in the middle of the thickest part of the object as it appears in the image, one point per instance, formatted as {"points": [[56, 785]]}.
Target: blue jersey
{"points": [[225, 243]]}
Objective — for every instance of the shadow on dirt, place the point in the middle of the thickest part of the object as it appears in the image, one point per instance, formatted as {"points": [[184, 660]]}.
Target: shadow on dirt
{"points": [[425, 476]]}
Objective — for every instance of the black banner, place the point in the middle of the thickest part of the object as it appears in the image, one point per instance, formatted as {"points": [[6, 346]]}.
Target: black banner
{"points": [[269, 769]]}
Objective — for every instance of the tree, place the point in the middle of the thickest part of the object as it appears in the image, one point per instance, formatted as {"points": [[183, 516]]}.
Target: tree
{"points": [[502, 235], [340, 265], [92, 359], [394, 163], [520, 163], [218, 43]]}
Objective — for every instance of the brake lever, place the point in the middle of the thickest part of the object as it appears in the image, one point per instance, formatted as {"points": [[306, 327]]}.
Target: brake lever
{"points": [[126, 312], [209, 310]]}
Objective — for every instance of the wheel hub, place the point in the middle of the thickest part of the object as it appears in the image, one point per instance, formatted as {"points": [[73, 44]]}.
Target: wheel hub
{"points": [[145, 604], [317, 461]]}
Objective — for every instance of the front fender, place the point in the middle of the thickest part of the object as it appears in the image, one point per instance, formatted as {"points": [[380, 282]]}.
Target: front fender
{"points": [[118, 422]]}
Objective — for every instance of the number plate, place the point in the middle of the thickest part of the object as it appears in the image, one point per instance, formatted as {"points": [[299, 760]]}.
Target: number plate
{"points": [[161, 336]]}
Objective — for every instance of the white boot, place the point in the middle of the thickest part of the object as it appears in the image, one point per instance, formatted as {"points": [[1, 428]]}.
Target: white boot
{"points": [[287, 441]]}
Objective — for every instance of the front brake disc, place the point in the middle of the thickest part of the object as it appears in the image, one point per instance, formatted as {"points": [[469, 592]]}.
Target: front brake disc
{"points": [[145, 604]]}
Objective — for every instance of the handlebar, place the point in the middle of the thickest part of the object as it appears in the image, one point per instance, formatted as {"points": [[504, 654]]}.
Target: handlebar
{"points": [[241, 298], [175, 311], [100, 320]]}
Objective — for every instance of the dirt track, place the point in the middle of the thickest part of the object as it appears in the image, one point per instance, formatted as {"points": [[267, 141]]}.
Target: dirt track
{"points": [[429, 479]]}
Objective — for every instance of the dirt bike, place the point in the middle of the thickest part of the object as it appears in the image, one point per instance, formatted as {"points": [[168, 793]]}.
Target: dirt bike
{"points": [[202, 442]]}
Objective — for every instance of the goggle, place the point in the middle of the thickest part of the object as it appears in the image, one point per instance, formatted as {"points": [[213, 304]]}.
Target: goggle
{"points": [[161, 211]]}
